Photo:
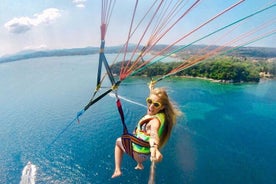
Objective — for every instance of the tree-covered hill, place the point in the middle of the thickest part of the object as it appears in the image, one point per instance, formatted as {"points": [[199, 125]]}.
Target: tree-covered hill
{"points": [[222, 68]]}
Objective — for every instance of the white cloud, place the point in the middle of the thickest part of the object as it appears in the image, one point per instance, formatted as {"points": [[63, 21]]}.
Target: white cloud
{"points": [[24, 24], [79, 3], [19, 25]]}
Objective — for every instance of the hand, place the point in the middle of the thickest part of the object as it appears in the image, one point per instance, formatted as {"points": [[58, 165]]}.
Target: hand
{"points": [[152, 84], [155, 155]]}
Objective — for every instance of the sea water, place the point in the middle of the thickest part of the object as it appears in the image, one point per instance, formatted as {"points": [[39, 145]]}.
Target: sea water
{"points": [[227, 134]]}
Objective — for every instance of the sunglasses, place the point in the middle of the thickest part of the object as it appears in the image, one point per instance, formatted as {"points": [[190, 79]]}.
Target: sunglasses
{"points": [[155, 104]]}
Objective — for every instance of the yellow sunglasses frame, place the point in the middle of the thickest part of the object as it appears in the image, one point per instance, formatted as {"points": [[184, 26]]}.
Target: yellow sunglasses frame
{"points": [[155, 104]]}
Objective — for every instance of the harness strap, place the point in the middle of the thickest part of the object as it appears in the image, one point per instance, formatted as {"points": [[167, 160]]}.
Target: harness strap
{"points": [[121, 112], [127, 144], [127, 138], [97, 99]]}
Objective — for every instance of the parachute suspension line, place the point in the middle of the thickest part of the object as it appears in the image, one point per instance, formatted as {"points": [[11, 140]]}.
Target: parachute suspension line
{"points": [[170, 15], [166, 31], [124, 51], [253, 40], [185, 36], [148, 25], [239, 38], [208, 35], [132, 67], [107, 9], [217, 50], [204, 50], [182, 47], [123, 73], [60, 133], [129, 36], [159, 22], [155, 38], [139, 42], [137, 26], [251, 32], [216, 31], [202, 58], [196, 29], [229, 32], [151, 42], [182, 67]]}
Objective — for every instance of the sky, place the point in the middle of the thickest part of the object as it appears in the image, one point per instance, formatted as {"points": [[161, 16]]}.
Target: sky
{"points": [[61, 24]]}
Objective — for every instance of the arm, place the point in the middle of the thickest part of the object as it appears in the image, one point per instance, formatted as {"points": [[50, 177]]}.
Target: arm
{"points": [[151, 85], [154, 140]]}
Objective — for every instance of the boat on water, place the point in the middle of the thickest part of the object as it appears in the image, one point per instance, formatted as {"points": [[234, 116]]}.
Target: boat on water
{"points": [[28, 174]]}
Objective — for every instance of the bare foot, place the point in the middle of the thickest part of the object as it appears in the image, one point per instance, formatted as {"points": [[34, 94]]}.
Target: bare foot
{"points": [[116, 173], [139, 166]]}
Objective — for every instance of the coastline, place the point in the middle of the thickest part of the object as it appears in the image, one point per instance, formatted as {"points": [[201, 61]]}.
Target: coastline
{"points": [[227, 81], [217, 81]]}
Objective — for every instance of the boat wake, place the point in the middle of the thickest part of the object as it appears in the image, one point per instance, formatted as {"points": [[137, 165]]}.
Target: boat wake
{"points": [[28, 174], [128, 100]]}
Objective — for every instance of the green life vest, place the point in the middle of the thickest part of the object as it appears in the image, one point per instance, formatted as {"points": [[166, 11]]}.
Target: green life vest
{"points": [[140, 132]]}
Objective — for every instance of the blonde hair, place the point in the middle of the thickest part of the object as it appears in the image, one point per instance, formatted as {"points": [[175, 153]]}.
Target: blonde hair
{"points": [[171, 113]]}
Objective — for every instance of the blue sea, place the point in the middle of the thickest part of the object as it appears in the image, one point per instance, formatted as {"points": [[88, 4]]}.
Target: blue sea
{"points": [[226, 136]]}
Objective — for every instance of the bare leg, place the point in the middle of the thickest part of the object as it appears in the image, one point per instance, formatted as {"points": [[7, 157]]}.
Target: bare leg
{"points": [[118, 159]]}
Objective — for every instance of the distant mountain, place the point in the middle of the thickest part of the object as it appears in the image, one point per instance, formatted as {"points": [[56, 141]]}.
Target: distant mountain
{"points": [[49, 53], [253, 52], [250, 52]]}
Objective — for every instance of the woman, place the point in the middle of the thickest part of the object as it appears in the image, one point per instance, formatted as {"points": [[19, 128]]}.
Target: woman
{"points": [[155, 127]]}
